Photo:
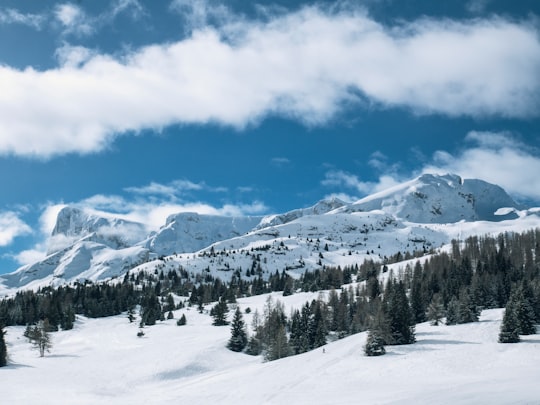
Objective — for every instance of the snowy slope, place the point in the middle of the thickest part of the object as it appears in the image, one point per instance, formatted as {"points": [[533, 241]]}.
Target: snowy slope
{"points": [[419, 215], [190, 232], [440, 199], [102, 361]]}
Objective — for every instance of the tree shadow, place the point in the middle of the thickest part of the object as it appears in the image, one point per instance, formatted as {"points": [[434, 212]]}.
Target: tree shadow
{"points": [[16, 366], [444, 342], [62, 356], [529, 339], [434, 333]]}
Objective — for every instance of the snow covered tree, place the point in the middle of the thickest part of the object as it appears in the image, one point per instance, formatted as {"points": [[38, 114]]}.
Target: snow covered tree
{"points": [[238, 340], [41, 339], [374, 344], [3, 348]]}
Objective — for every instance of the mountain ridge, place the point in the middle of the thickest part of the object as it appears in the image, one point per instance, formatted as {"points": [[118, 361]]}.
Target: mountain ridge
{"points": [[418, 215]]}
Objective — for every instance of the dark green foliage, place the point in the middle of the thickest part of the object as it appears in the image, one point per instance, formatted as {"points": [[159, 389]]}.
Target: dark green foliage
{"points": [[182, 321], [219, 313], [452, 315], [279, 346], [150, 310], [467, 310], [40, 338], [510, 325], [254, 346], [238, 340], [524, 310], [3, 347], [374, 344], [399, 314], [518, 318], [435, 311], [170, 315]]}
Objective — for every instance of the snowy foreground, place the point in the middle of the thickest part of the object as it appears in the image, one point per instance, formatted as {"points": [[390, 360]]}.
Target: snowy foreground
{"points": [[103, 361]]}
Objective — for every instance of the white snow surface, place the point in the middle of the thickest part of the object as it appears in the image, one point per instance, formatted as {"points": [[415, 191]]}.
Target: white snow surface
{"points": [[103, 361]]}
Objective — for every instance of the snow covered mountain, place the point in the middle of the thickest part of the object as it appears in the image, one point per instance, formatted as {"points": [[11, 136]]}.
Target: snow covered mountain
{"points": [[190, 232], [74, 224], [433, 199], [418, 215]]}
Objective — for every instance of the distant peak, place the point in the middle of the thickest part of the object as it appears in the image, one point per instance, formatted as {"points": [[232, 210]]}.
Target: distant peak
{"points": [[449, 178]]}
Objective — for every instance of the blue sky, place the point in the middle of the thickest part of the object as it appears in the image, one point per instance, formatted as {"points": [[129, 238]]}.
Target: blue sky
{"points": [[146, 108]]}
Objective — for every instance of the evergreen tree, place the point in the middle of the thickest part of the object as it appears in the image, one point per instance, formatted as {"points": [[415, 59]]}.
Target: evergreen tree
{"points": [[399, 315], [524, 311], [238, 340], [219, 313], [279, 345], [182, 321], [3, 348], [510, 325], [452, 315], [374, 344], [467, 310], [435, 310], [254, 346], [40, 337]]}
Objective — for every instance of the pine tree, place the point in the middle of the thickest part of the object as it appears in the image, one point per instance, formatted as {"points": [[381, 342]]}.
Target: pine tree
{"points": [[374, 344], [279, 345], [467, 311], [219, 313], [400, 316], [435, 310], [182, 321], [524, 312], [40, 337], [238, 340], [452, 315], [3, 348], [510, 325]]}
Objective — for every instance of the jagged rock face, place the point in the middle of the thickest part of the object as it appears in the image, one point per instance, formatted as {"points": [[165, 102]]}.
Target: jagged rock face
{"points": [[74, 224], [190, 232], [440, 199]]}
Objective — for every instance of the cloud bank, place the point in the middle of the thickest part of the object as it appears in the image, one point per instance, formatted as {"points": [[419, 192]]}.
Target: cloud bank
{"points": [[315, 62], [11, 226], [499, 158], [496, 157]]}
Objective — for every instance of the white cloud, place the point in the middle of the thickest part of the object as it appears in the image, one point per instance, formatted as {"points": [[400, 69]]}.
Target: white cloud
{"points": [[29, 256], [314, 63], [476, 6], [342, 179], [280, 161], [73, 19], [11, 226], [13, 16], [173, 189], [499, 158]]}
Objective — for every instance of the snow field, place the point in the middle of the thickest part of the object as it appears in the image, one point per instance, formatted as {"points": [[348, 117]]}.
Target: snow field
{"points": [[103, 361]]}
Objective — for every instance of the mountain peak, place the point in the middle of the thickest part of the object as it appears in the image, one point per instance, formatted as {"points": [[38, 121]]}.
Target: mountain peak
{"points": [[433, 198]]}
